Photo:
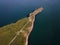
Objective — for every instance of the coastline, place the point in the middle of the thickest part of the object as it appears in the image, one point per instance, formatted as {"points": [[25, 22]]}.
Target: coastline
{"points": [[32, 19], [30, 30], [24, 31]]}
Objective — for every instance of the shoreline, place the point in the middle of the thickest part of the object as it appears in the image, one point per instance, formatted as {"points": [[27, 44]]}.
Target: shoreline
{"points": [[32, 21], [31, 28]]}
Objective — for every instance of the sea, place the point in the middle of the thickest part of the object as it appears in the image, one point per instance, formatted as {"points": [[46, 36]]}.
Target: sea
{"points": [[46, 29]]}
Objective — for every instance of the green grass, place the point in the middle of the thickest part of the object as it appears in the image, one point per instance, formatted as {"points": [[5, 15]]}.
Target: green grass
{"points": [[9, 31]]}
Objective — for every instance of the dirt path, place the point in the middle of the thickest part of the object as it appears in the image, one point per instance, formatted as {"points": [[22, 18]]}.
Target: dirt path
{"points": [[18, 33], [30, 20]]}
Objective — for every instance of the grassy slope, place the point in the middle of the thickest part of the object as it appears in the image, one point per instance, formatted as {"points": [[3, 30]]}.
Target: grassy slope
{"points": [[9, 31]]}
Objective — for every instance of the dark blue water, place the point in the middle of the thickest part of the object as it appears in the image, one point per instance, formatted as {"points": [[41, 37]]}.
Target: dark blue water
{"points": [[46, 30]]}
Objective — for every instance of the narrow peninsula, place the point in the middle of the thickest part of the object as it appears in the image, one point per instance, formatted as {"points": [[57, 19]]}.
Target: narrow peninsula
{"points": [[18, 33]]}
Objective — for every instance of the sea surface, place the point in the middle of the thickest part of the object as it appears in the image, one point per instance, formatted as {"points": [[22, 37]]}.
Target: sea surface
{"points": [[46, 29]]}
